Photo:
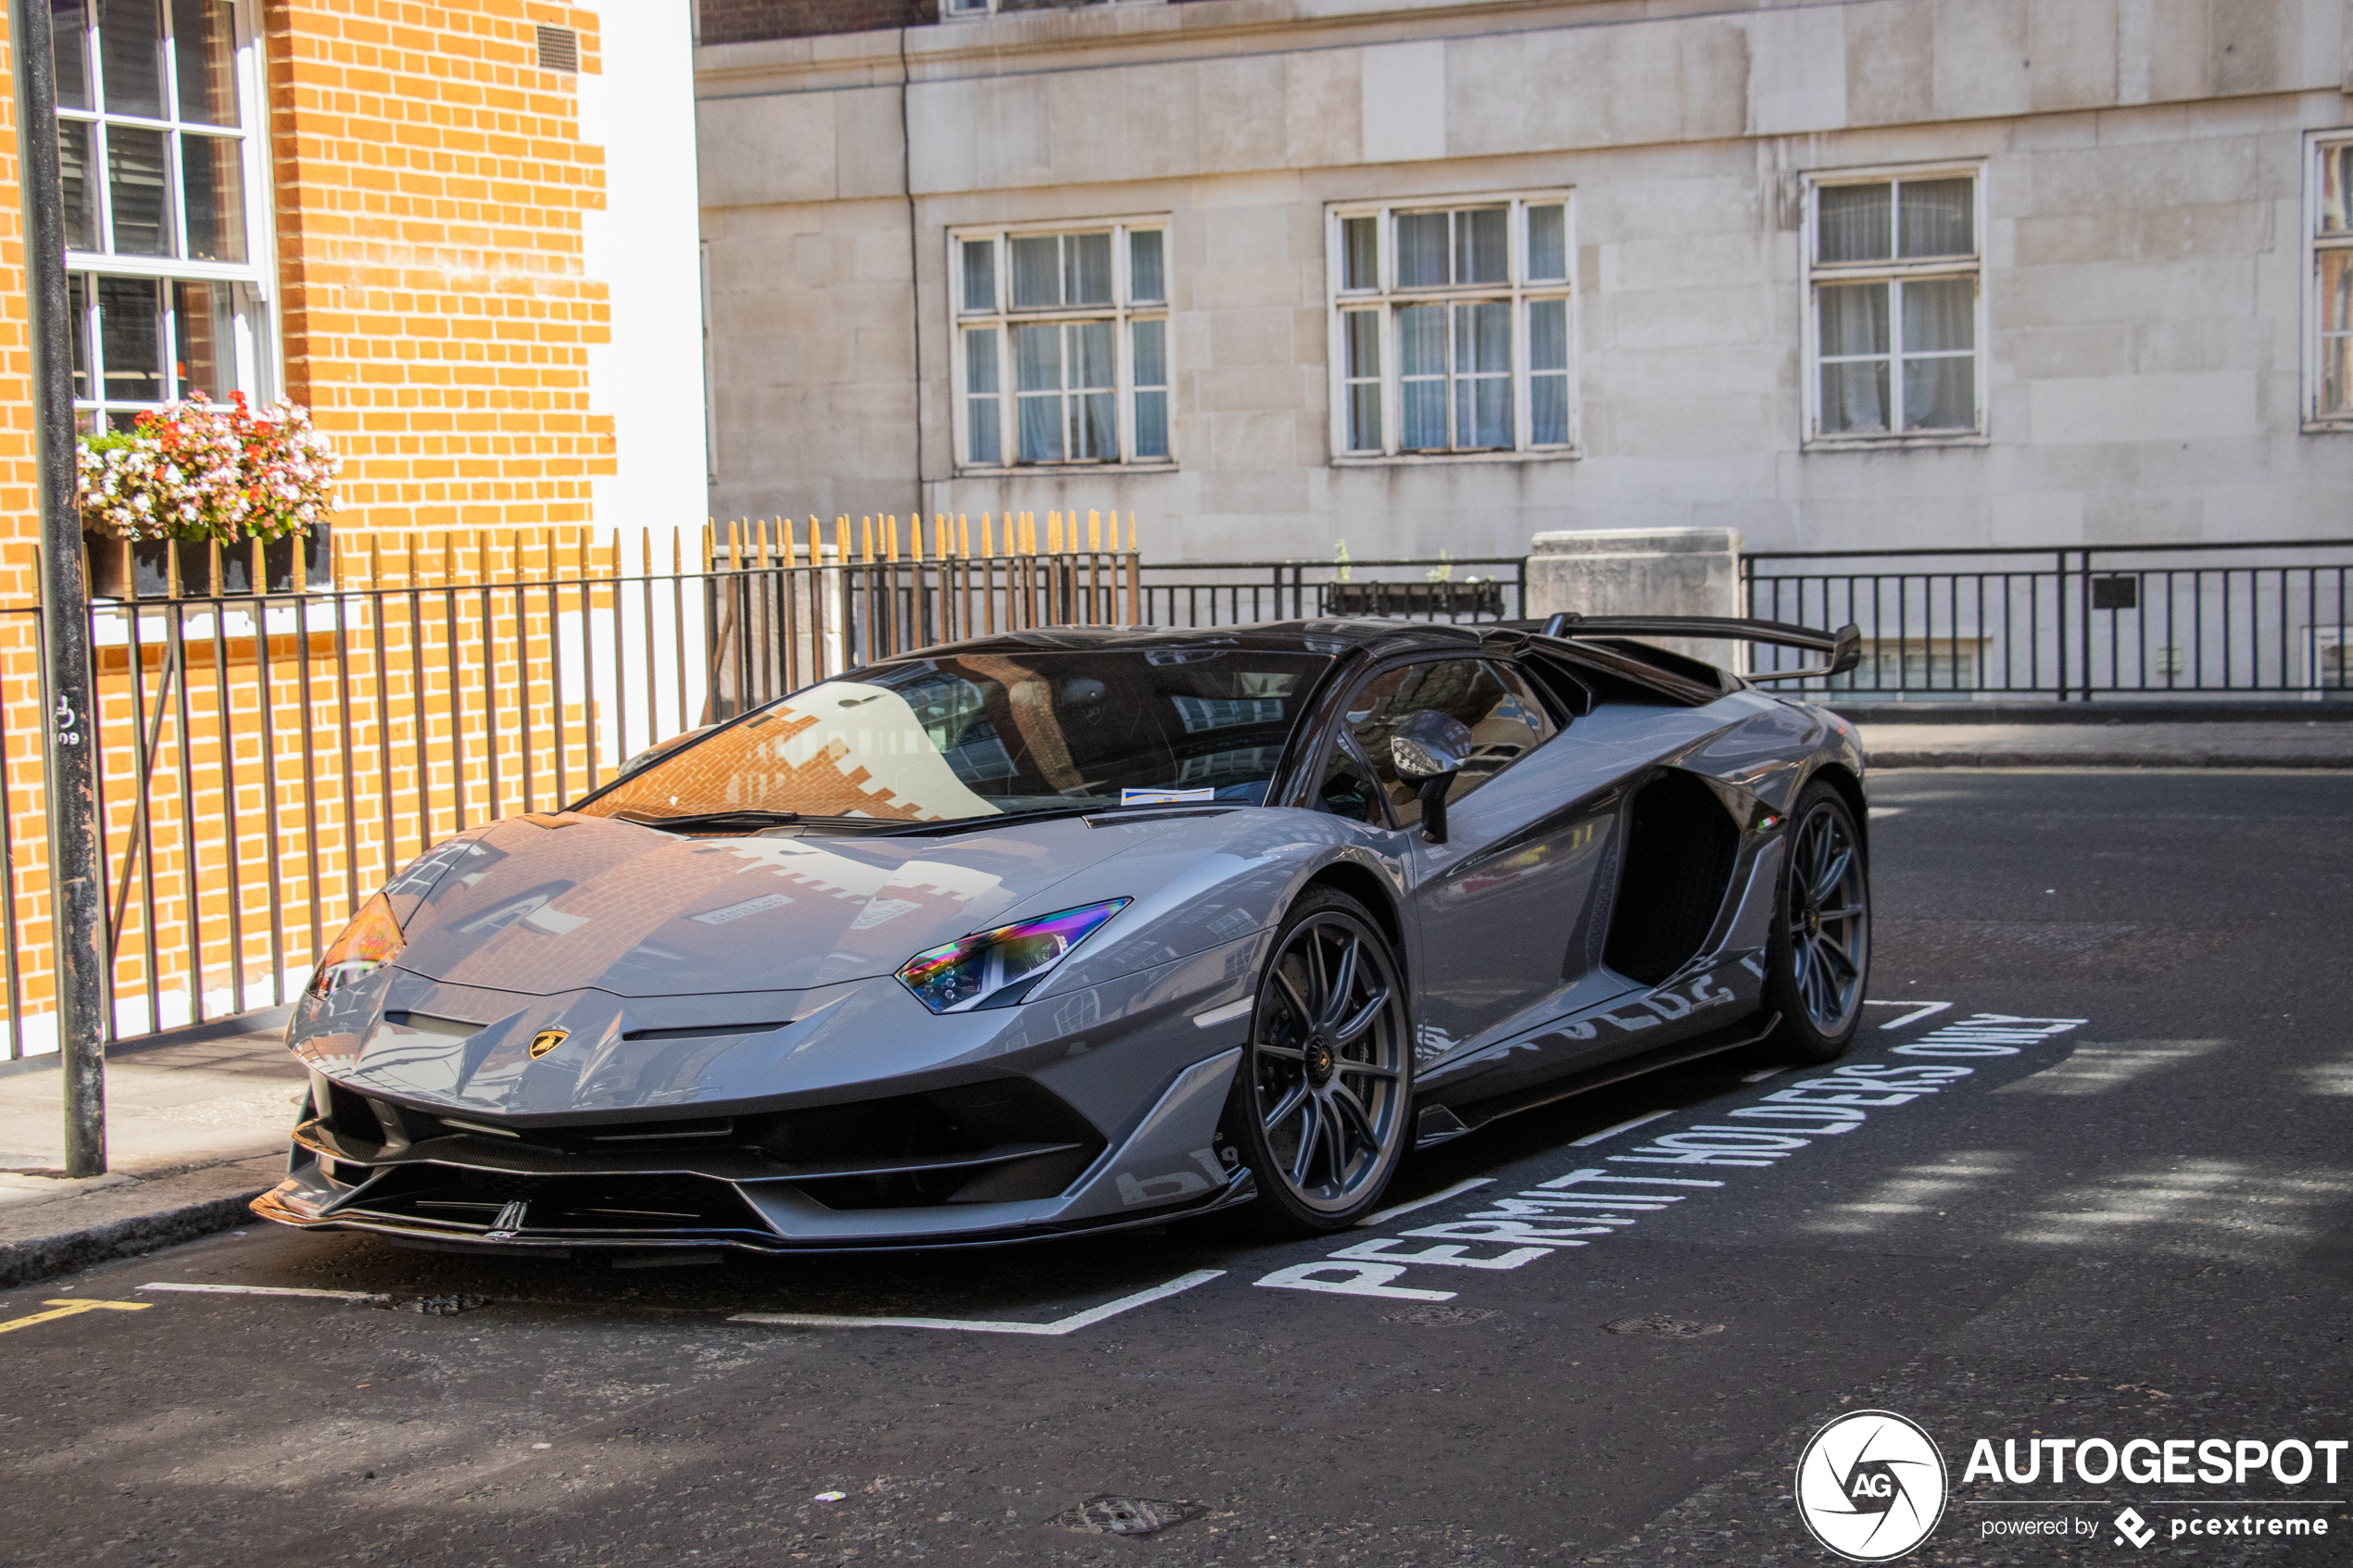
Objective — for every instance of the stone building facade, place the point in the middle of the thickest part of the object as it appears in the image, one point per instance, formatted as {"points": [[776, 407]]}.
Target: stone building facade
{"points": [[1278, 273]]}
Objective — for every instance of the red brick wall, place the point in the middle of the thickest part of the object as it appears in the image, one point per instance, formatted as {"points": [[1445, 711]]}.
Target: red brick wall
{"points": [[430, 182]]}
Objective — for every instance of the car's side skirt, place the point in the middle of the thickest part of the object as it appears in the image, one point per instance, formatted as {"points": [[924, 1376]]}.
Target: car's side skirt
{"points": [[1437, 1124]]}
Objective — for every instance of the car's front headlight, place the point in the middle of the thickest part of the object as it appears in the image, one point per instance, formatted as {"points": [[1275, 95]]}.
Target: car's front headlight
{"points": [[370, 942], [996, 969]]}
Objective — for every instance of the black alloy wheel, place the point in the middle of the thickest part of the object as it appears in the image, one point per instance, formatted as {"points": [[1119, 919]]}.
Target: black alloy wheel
{"points": [[1320, 1102], [1820, 953]]}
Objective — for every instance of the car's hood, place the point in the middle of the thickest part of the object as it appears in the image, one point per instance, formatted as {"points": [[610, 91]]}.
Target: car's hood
{"points": [[548, 904]]}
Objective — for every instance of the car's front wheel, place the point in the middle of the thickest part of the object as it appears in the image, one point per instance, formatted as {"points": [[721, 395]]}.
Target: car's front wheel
{"points": [[1821, 951], [1321, 1100]]}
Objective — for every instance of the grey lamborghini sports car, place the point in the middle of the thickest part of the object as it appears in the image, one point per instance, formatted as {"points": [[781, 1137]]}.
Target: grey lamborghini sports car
{"points": [[1069, 930]]}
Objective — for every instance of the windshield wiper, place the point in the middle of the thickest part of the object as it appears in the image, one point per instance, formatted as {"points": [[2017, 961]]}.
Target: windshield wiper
{"points": [[1002, 819], [748, 817]]}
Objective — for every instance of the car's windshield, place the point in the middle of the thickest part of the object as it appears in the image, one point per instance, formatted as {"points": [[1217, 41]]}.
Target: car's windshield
{"points": [[984, 734]]}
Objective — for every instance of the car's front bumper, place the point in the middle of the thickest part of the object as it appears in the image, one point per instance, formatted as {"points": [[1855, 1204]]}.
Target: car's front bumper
{"points": [[1015, 1162], [307, 1200]]}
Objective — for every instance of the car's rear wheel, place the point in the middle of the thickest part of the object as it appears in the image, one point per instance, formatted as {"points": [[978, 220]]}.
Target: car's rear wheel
{"points": [[1320, 1103], [1819, 955]]}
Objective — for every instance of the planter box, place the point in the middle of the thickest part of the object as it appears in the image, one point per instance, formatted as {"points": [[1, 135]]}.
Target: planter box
{"points": [[1414, 599], [288, 566]]}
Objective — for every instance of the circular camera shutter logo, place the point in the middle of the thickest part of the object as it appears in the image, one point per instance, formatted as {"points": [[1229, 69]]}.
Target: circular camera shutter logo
{"points": [[1870, 1486]]}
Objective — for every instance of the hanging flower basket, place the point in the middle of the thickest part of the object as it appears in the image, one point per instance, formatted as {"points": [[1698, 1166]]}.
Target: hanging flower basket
{"points": [[193, 475]]}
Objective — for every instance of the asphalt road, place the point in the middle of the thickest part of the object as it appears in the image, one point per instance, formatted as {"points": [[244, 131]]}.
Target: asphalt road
{"points": [[2131, 1216]]}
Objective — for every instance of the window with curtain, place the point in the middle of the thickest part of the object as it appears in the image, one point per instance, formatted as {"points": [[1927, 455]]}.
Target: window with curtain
{"points": [[1451, 329], [1893, 277], [1062, 345], [162, 174], [2329, 391]]}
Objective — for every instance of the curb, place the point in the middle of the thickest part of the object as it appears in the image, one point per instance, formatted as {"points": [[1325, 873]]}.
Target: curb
{"points": [[1944, 758], [22, 1262]]}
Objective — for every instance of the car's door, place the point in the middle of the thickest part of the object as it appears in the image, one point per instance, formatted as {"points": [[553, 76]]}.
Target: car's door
{"points": [[1500, 903]]}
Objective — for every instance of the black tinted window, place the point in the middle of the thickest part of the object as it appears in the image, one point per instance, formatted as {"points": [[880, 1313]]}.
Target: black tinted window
{"points": [[1347, 790]]}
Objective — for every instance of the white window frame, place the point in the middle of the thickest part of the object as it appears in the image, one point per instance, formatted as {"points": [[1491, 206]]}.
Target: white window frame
{"points": [[1123, 312], [1818, 273], [1388, 298], [2317, 145], [254, 342]]}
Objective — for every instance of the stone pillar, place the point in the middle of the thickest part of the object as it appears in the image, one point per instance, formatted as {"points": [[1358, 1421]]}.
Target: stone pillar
{"points": [[1641, 572]]}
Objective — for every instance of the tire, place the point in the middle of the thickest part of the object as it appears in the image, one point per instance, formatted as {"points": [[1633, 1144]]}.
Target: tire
{"points": [[1322, 1100], [1819, 958]]}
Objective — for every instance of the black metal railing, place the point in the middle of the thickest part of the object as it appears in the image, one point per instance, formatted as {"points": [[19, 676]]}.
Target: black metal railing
{"points": [[2195, 622]]}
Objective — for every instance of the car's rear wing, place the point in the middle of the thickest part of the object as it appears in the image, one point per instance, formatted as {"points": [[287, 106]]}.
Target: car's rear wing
{"points": [[1844, 646]]}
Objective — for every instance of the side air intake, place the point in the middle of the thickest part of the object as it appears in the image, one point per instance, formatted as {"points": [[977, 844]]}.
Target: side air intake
{"points": [[1680, 844]]}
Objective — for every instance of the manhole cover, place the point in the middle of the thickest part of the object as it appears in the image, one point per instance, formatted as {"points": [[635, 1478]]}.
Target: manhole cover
{"points": [[1443, 1317], [1107, 1515], [1663, 1328], [445, 1305]]}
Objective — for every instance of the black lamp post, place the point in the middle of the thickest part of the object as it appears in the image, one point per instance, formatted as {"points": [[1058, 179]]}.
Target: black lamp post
{"points": [[77, 908]]}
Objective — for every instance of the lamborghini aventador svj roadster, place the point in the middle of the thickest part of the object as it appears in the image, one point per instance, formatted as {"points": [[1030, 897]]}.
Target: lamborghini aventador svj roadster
{"points": [[1067, 930]]}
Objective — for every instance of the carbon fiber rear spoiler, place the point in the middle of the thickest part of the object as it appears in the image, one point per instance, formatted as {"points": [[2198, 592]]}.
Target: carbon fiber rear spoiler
{"points": [[1844, 646]]}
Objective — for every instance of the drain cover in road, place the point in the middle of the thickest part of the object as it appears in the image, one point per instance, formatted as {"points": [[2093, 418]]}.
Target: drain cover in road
{"points": [[1443, 1317], [447, 1306], [1107, 1515], [1663, 1328]]}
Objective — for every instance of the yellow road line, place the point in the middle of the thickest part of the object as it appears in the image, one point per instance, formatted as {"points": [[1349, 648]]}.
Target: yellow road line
{"points": [[72, 1308]]}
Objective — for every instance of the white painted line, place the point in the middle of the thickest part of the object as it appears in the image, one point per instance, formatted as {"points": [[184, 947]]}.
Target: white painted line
{"points": [[270, 1290], [1070, 1324], [1762, 1073], [1226, 1014], [1613, 1132], [1382, 1216], [1920, 1010]]}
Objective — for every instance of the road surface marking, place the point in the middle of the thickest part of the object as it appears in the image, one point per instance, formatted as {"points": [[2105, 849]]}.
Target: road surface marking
{"points": [[1613, 1132], [1382, 1216], [1602, 1201], [72, 1308], [1070, 1324], [1920, 1010], [270, 1290]]}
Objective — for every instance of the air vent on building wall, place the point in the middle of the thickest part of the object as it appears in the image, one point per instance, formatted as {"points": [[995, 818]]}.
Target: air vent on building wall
{"points": [[559, 49]]}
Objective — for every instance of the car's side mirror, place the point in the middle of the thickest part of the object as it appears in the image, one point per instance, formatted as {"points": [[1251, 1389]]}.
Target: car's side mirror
{"points": [[1429, 749]]}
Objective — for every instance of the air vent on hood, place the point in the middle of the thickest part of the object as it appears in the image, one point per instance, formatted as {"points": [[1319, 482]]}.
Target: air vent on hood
{"points": [[703, 1031], [425, 1024]]}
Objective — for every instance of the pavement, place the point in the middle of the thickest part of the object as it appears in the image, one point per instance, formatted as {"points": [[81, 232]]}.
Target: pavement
{"points": [[2110, 743], [2085, 1183], [195, 1131]]}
